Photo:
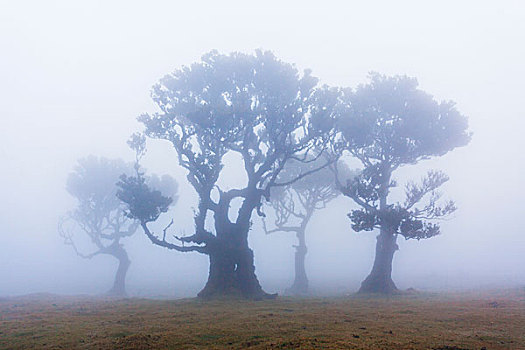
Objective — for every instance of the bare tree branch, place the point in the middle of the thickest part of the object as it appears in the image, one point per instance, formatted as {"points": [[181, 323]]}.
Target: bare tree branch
{"points": [[163, 243]]}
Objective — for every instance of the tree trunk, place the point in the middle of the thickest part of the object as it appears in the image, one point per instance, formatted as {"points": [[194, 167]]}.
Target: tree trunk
{"points": [[119, 285], [232, 272], [300, 284], [380, 278]]}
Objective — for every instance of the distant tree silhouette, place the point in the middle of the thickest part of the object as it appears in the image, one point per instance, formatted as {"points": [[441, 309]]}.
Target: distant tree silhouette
{"points": [[386, 124], [294, 205], [100, 215], [255, 106]]}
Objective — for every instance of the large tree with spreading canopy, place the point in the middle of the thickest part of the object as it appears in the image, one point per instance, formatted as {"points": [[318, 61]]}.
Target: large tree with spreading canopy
{"points": [[386, 124], [256, 106]]}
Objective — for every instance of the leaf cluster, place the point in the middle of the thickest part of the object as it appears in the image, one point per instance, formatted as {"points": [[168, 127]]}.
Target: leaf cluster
{"points": [[143, 203]]}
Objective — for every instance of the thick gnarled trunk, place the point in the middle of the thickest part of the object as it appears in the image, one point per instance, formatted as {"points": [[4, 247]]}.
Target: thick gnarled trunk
{"points": [[380, 278], [119, 285], [232, 272], [232, 269]]}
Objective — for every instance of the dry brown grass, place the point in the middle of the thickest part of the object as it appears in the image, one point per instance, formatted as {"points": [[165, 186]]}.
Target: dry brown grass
{"points": [[419, 321]]}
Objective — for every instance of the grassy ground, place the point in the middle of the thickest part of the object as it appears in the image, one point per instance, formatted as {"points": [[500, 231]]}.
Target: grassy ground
{"points": [[417, 321]]}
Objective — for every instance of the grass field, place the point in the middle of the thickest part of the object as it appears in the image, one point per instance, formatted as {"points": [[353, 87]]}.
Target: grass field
{"points": [[479, 320]]}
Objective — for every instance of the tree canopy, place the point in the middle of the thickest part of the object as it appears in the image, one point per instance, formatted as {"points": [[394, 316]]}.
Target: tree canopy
{"points": [[99, 214], [389, 123]]}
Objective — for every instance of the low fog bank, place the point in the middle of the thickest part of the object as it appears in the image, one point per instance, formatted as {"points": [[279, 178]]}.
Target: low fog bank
{"points": [[337, 261]]}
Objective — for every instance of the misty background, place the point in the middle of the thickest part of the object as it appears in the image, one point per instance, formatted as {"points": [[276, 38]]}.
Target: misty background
{"points": [[75, 75]]}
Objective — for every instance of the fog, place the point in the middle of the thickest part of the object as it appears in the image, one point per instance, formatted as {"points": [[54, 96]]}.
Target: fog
{"points": [[75, 75]]}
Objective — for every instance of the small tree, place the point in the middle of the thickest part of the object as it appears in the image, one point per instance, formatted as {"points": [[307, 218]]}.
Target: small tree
{"points": [[386, 124], [100, 214], [255, 106], [293, 207]]}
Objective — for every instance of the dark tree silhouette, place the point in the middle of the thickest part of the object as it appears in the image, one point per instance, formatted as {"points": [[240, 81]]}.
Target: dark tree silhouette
{"points": [[100, 214], [294, 205], [386, 124], [255, 106]]}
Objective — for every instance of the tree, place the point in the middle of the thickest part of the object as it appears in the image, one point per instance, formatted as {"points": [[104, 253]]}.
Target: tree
{"points": [[255, 106], [293, 207], [386, 124], [100, 214]]}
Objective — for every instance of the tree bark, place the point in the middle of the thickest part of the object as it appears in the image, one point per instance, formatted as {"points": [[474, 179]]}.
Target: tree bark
{"points": [[300, 284], [232, 270], [119, 285], [380, 278]]}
